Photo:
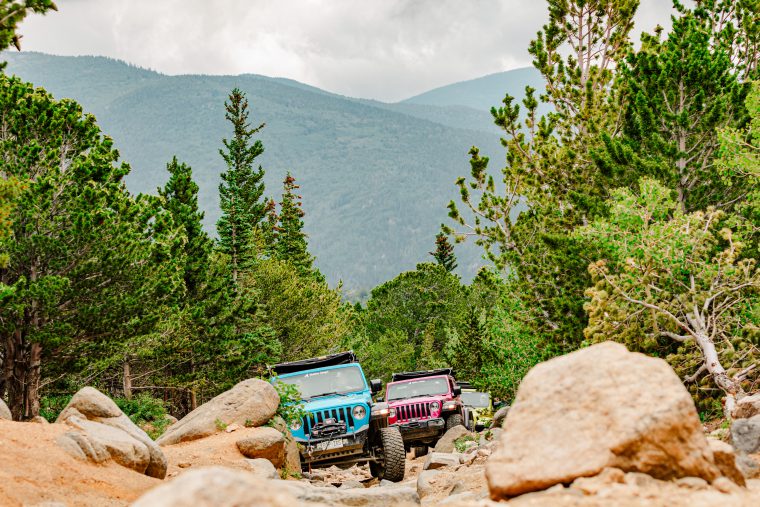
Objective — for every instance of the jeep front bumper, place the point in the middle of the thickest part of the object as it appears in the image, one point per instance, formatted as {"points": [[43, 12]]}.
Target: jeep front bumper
{"points": [[334, 447], [417, 430]]}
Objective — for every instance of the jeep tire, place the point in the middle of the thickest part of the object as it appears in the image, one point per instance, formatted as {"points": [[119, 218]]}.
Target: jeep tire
{"points": [[453, 420], [394, 456]]}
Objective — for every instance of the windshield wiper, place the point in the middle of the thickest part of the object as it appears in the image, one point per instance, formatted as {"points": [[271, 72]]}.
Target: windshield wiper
{"points": [[334, 393]]}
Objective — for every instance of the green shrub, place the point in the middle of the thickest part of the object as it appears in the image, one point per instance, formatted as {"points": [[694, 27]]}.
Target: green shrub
{"points": [[145, 411], [460, 444], [291, 408], [51, 406]]}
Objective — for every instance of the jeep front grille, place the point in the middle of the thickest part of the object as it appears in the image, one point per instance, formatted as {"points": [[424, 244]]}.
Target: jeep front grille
{"points": [[413, 411], [339, 414]]}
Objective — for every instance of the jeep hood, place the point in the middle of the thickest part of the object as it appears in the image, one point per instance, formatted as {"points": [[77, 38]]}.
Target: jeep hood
{"points": [[336, 400]]}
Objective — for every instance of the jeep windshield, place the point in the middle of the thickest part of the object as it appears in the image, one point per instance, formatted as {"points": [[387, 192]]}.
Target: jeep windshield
{"points": [[477, 400], [312, 384], [417, 388]]}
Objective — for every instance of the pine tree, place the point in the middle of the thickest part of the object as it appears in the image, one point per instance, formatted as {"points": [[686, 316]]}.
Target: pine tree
{"points": [[88, 264], [291, 244], [444, 253], [242, 188], [549, 168], [181, 200], [681, 91], [470, 351]]}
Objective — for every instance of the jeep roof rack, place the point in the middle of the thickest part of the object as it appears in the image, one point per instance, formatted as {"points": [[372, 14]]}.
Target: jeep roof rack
{"points": [[314, 362], [408, 375]]}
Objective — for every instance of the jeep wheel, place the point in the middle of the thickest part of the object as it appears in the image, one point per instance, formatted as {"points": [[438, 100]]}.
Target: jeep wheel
{"points": [[453, 420], [393, 464]]}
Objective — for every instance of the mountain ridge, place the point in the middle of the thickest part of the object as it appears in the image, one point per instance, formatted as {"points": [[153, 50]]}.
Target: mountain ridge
{"points": [[375, 176]]}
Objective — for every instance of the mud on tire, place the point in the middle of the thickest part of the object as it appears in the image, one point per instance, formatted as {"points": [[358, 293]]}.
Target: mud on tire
{"points": [[395, 456], [454, 420]]}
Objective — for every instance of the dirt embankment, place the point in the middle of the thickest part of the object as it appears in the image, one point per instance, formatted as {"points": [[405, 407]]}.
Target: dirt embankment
{"points": [[34, 470]]}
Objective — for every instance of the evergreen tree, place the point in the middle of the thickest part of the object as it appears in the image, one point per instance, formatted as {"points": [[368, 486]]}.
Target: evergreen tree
{"points": [[549, 165], [88, 264], [291, 244], [681, 91], [242, 188], [181, 201], [470, 351], [444, 252]]}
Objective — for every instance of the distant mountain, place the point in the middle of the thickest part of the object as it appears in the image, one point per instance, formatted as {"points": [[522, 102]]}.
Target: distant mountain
{"points": [[375, 177], [484, 92]]}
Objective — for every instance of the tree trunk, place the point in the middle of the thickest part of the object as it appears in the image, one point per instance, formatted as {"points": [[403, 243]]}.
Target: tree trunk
{"points": [[33, 384], [127, 380], [15, 373], [728, 385], [193, 393]]}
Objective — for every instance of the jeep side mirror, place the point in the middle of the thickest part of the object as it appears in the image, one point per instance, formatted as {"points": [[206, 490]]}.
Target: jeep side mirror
{"points": [[457, 390], [375, 385]]}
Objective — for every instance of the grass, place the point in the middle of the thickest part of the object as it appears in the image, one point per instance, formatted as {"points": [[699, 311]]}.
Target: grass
{"points": [[460, 444]]}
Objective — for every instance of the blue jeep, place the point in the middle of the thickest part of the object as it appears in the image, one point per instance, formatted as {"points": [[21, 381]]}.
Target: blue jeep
{"points": [[342, 426]]}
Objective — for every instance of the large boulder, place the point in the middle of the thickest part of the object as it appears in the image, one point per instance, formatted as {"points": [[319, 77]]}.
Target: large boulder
{"points": [[264, 442], [216, 487], [725, 459], [292, 465], [435, 460], [747, 407], [446, 442], [745, 435], [397, 496], [499, 417], [100, 425], [598, 407], [5, 412], [251, 402]]}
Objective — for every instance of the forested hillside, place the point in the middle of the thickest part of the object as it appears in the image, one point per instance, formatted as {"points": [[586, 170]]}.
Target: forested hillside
{"points": [[374, 176], [629, 212]]}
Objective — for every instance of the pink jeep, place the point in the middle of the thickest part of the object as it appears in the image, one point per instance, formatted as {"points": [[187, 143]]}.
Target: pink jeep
{"points": [[424, 405]]}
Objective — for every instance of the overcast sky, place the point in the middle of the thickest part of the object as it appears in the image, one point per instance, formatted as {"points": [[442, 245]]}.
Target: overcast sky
{"points": [[380, 49]]}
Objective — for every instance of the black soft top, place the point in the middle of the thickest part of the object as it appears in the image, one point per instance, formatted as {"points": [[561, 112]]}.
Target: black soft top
{"points": [[409, 375], [465, 385], [315, 362]]}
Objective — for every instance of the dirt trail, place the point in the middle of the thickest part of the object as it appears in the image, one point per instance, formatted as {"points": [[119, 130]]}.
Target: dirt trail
{"points": [[34, 469]]}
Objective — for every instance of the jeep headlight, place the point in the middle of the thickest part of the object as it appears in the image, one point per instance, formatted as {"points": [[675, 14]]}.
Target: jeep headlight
{"points": [[359, 412], [295, 425], [435, 406], [392, 412]]}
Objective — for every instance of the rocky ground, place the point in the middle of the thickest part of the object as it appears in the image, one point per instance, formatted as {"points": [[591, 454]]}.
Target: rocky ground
{"points": [[599, 427], [34, 470]]}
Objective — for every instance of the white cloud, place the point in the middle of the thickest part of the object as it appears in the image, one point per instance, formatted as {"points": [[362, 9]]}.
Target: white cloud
{"points": [[383, 49]]}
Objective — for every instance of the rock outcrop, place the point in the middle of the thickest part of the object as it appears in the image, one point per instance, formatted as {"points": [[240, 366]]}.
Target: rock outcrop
{"points": [[5, 412], [396, 496], [745, 435], [499, 417], [224, 487], [599, 407], [747, 407], [435, 460], [216, 487], [725, 459], [267, 443], [446, 442], [251, 402], [100, 430]]}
